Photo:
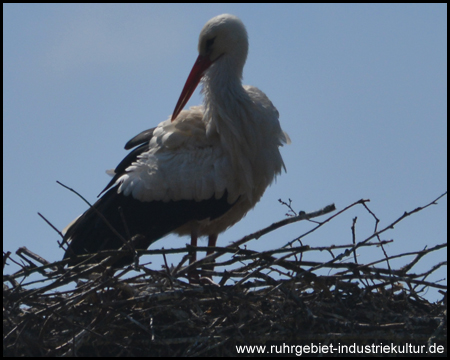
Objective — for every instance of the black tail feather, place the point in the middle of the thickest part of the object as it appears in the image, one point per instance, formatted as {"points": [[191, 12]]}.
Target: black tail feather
{"points": [[129, 217]]}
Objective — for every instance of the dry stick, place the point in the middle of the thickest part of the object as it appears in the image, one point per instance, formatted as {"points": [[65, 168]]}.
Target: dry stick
{"points": [[52, 226], [377, 221], [169, 276], [354, 238], [5, 258], [25, 251]]}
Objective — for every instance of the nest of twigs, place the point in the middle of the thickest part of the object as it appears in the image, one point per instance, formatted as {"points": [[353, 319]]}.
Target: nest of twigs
{"points": [[278, 299]]}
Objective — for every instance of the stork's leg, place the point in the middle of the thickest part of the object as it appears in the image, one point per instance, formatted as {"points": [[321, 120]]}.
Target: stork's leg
{"points": [[193, 276], [212, 240]]}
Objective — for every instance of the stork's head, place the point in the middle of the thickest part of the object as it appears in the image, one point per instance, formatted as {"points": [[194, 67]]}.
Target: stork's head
{"points": [[224, 41], [224, 35]]}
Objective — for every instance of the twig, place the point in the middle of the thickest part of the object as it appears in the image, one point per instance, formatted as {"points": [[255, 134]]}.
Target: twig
{"points": [[52, 226], [97, 212]]}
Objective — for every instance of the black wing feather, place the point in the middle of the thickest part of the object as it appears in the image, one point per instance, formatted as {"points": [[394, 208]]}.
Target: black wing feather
{"points": [[140, 138], [125, 163]]}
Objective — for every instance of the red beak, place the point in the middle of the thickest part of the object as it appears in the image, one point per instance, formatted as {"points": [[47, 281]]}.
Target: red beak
{"points": [[201, 64]]}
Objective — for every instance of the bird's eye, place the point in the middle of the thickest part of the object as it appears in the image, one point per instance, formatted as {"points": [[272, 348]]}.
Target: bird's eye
{"points": [[209, 44]]}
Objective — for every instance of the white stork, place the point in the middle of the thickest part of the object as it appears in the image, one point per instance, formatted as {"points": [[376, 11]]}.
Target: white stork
{"points": [[200, 171]]}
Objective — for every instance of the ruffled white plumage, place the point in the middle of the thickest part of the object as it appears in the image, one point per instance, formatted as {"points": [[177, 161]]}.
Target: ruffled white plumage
{"points": [[187, 162], [181, 164]]}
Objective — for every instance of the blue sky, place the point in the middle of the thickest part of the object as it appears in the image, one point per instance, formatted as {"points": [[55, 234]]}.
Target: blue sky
{"points": [[361, 90]]}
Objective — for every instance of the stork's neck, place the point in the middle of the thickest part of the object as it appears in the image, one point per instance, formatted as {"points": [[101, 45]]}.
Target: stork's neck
{"points": [[225, 99], [228, 115], [223, 81]]}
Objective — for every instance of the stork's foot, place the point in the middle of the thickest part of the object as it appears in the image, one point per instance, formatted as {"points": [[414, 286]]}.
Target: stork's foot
{"points": [[194, 277]]}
